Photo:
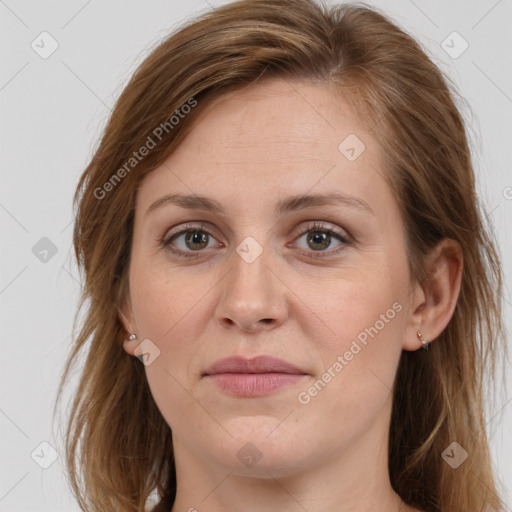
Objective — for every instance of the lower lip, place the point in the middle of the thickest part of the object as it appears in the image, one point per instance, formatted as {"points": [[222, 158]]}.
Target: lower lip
{"points": [[254, 384]]}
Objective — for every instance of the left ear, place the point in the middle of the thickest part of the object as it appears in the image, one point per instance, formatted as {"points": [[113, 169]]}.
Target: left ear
{"points": [[434, 300]]}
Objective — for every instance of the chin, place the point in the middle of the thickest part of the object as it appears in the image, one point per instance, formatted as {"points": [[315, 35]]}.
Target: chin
{"points": [[259, 448]]}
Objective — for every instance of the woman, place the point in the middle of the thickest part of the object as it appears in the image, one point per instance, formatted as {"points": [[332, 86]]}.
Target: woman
{"points": [[292, 294]]}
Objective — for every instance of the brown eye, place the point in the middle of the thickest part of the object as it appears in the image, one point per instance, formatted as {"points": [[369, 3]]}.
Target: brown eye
{"points": [[319, 241], [196, 240], [190, 241]]}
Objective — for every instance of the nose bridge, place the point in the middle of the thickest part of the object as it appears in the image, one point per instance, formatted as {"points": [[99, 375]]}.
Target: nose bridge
{"points": [[251, 297]]}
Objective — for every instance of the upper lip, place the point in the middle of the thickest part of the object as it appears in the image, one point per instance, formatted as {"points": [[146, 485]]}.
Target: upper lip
{"points": [[258, 364]]}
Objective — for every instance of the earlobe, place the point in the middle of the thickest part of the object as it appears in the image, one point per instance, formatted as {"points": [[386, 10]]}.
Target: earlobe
{"points": [[434, 300], [129, 344], [130, 337]]}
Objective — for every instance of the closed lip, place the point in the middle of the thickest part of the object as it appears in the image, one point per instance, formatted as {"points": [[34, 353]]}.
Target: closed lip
{"points": [[258, 364]]}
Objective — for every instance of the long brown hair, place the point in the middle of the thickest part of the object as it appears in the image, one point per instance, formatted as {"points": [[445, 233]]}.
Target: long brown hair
{"points": [[119, 447]]}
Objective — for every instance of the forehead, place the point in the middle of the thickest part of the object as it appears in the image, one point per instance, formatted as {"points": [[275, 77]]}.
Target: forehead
{"points": [[278, 115], [275, 137]]}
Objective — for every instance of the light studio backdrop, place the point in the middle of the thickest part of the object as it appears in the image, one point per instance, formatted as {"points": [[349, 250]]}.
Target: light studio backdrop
{"points": [[63, 64]]}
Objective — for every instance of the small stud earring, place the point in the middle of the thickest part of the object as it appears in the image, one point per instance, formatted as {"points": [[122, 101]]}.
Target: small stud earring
{"points": [[132, 337], [424, 343]]}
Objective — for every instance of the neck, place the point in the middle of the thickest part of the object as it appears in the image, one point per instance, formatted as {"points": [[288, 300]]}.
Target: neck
{"points": [[355, 480]]}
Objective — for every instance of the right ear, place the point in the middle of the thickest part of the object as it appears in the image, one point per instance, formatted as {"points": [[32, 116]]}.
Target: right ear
{"points": [[126, 316]]}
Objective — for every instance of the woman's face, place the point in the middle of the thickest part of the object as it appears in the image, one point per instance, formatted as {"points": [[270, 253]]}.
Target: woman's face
{"points": [[319, 282]]}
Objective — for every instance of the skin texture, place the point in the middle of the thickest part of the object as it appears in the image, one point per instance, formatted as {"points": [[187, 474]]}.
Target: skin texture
{"points": [[248, 152]]}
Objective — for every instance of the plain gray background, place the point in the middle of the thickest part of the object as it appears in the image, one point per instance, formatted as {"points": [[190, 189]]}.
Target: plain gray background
{"points": [[52, 112]]}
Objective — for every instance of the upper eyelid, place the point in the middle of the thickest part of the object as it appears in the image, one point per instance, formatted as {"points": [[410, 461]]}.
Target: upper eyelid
{"points": [[189, 226], [206, 226]]}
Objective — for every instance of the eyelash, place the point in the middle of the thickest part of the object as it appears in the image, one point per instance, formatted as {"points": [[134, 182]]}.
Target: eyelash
{"points": [[166, 240]]}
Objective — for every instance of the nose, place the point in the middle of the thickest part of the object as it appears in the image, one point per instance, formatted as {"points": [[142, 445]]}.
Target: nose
{"points": [[252, 296]]}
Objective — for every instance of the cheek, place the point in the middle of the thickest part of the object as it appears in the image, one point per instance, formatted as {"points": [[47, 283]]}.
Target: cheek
{"points": [[166, 302], [365, 320], [363, 305], [169, 311], [359, 360]]}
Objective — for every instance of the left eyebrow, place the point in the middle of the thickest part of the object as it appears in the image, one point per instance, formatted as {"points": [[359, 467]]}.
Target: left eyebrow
{"points": [[301, 202], [292, 203]]}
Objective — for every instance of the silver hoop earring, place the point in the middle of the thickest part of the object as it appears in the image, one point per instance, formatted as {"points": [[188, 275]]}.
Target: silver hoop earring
{"points": [[132, 337]]}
